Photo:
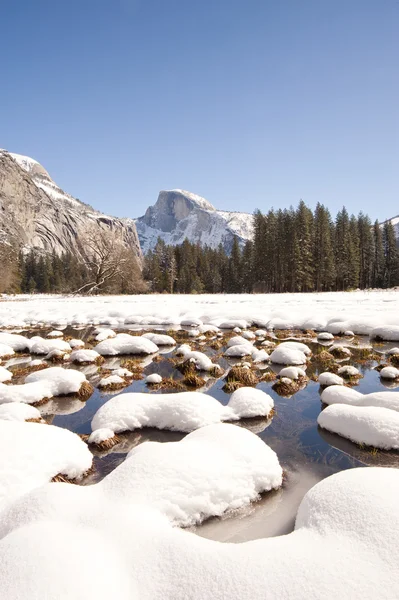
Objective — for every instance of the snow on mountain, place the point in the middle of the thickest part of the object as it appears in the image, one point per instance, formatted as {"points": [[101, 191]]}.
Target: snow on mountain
{"points": [[179, 215], [36, 213]]}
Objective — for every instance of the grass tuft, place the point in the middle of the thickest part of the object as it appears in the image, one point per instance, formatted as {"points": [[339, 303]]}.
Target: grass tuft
{"points": [[109, 443], [85, 391]]}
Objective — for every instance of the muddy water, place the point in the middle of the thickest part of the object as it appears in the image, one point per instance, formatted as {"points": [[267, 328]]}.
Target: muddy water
{"points": [[306, 453]]}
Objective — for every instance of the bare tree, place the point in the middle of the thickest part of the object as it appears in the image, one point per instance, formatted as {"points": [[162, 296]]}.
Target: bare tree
{"points": [[108, 261]]}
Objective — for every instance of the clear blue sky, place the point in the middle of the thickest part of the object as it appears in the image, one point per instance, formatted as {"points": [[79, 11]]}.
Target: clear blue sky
{"points": [[249, 103]]}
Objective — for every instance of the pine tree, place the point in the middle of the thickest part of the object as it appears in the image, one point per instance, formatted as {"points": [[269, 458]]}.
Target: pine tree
{"points": [[391, 271], [379, 257], [323, 253]]}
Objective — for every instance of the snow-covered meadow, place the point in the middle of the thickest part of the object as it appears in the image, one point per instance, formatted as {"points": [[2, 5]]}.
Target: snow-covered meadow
{"points": [[230, 417], [334, 312]]}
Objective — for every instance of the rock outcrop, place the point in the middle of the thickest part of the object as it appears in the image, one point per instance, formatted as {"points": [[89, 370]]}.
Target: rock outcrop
{"points": [[36, 213]]}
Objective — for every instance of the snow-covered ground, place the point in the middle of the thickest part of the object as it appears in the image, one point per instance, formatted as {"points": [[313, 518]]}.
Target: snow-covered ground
{"points": [[335, 312]]}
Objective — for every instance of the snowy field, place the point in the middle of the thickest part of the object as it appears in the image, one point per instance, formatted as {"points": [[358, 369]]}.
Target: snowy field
{"points": [[180, 422], [360, 311]]}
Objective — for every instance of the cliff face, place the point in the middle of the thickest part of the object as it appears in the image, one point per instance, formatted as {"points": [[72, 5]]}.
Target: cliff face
{"points": [[36, 213], [179, 215]]}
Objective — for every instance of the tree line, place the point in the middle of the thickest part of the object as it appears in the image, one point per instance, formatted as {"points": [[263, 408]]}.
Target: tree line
{"points": [[293, 250]]}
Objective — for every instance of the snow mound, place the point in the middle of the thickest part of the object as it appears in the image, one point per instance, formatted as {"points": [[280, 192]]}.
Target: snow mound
{"points": [[259, 356], [111, 380], [349, 371], [238, 340], [389, 373], [84, 356], [32, 454], [153, 378], [123, 343], [104, 334], [389, 333], [292, 372], [5, 375], [75, 343], [201, 361], [377, 427], [160, 339], [248, 402], [183, 411], [327, 379], [239, 351], [18, 411], [6, 351], [392, 351], [325, 336], [55, 334], [39, 345], [42, 385], [345, 395], [212, 470], [18, 343], [284, 355]]}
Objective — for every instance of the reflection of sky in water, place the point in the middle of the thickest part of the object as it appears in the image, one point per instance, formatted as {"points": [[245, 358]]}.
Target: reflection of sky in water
{"points": [[307, 453]]}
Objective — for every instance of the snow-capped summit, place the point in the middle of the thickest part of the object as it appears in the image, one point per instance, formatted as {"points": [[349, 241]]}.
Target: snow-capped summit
{"points": [[179, 215]]}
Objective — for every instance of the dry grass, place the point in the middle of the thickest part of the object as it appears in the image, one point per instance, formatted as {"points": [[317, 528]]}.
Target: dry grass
{"points": [[268, 376], [99, 361], [113, 387], [240, 375], [309, 333], [286, 389], [157, 358], [85, 391], [216, 344], [84, 437], [193, 380], [57, 358], [134, 366], [232, 386], [109, 443], [380, 367], [38, 420], [394, 359], [61, 478], [22, 371], [168, 384]]}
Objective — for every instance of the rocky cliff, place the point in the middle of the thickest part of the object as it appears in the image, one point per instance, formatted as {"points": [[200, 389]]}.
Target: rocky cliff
{"points": [[179, 215], [36, 213]]}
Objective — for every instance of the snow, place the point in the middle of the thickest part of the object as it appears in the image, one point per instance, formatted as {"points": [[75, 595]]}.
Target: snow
{"points": [[122, 372], [55, 334], [248, 335], [183, 411], [377, 427], [153, 378], [54, 381], [259, 356], [325, 336], [176, 477], [239, 351], [327, 379], [110, 380], [201, 361], [74, 343], [364, 310], [248, 402], [130, 532], [284, 355], [84, 356], [297, 346], [345, 395], [6, 351], [238, 340], [18, 343], [342, 349], [292, 372], [123, 343], [160, 339], [388, 333], [104, 334], [392, 351], [389, 373], [348, 371], [39, 345], [5, 375], [18, 411], [33, 453]]}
